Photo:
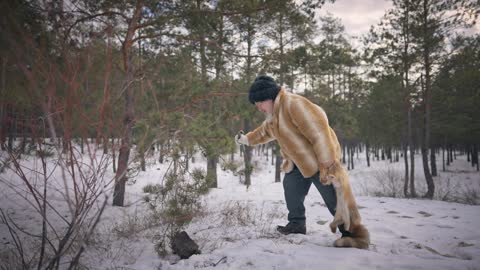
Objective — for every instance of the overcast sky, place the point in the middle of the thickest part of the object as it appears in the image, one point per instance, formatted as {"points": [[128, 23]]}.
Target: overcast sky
{"points": [[358, 15]]}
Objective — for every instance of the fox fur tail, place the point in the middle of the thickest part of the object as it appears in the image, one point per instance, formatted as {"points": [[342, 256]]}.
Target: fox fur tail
{"points": [[360, 238]]}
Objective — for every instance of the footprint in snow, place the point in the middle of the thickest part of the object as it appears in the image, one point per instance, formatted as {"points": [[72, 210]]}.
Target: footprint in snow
{"points": [[445, 227], [425, 214], [322, 222], [464, 244], [395, 212]]}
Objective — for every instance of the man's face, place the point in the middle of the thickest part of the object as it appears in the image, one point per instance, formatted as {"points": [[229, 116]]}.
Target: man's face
{"points": [[265, 106]]}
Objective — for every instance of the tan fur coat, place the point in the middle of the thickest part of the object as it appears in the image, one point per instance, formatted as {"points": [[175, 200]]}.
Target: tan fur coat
{"points": [[303, 133]]}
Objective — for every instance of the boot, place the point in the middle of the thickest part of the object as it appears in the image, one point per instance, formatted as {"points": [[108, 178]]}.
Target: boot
{"points": [[292, 228]]}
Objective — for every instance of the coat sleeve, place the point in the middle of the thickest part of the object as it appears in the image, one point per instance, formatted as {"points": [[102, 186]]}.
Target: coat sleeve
{"points": [[261, 135], [312, 122]]}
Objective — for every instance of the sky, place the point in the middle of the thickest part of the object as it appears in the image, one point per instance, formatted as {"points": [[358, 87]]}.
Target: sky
{"points": [[357, 15]]}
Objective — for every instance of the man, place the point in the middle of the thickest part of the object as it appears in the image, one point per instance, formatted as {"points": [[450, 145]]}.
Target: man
{"points": [[308, 146]]}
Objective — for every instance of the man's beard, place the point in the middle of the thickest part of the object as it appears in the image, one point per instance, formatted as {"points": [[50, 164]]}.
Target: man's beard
{"points": [[268, 116]]}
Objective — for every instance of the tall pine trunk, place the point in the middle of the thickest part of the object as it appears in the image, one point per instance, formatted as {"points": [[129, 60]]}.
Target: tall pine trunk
{"points": [[367, 153], [475, 156], [278, 162], [124, 153], [433, 161], [212, 171], [3, 119], [247, 157], [283, 70], [352, 153], [427, 101], [443, 156], [247, 154], [405, 158], [411, 144]]}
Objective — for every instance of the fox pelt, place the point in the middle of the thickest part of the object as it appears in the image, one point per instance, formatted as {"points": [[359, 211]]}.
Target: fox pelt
{"points": [[346, 209]]}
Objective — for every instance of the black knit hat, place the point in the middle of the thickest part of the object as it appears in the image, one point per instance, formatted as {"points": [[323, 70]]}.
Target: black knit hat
{"points": [[263, 88]]}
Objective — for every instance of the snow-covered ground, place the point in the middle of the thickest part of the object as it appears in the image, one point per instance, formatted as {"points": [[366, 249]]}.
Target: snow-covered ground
{"points": [[237, 228]]}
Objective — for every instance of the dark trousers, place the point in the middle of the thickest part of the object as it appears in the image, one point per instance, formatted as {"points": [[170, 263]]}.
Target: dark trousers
{"points": [[296, 188]]}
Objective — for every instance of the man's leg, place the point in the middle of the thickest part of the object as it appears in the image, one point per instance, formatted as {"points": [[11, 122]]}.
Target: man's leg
{"points": [[295, 188], [330, 198]]}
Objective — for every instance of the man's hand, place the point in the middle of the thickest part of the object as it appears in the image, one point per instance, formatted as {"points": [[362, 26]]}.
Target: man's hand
{"points": [[240, 138]]}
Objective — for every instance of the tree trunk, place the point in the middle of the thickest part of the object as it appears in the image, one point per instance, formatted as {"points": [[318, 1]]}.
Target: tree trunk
{"points": [[273, 149], [283, 70], [265, 151], [105, 144], [124, 153], [413, 192], [247, 157], [433, 161], [142, 160], [425, 147], [187, 160], [408, 107], [367, 154], [212, 171], [23, 128], [475, 155], [82, 147], [12, 128], [113, 156], [428, 176], [352, 152], [278, 163], [471, 149], [448, 154], [427, 101], [160, 155], [405, 159], [3, 119], [443, 159], [346, 154]]}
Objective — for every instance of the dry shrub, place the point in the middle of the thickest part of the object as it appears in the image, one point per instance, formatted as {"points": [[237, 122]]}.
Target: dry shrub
{"points": [[245, 214], [389, 183]]}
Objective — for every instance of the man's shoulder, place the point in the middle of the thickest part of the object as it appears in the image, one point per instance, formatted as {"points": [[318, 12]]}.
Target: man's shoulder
{"points": [[296, 99], [295, 102]]}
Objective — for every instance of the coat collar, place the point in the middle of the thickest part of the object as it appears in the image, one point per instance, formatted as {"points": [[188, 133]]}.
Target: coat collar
{"points": [[276, 105], [276, 109]]}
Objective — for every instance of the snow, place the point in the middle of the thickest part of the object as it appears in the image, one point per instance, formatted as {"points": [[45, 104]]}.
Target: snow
{"points": [[236, 229]]}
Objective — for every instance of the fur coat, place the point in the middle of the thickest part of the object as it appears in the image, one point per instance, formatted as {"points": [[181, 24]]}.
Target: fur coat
{"points": [[301, 129]]}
